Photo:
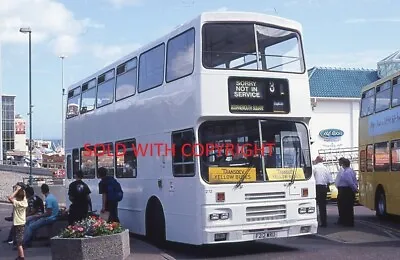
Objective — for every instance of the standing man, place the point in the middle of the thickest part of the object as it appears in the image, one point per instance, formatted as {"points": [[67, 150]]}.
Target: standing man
{"points": [[338, 176], [322, 180], [111, 192], [347, 188], [79, 195]]}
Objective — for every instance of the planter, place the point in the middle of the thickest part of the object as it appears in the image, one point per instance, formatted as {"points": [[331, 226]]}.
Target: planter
{"points": [[112, 247]]}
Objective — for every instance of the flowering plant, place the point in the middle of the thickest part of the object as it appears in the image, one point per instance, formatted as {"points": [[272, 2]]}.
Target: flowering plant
{"points": [[91, 227]]}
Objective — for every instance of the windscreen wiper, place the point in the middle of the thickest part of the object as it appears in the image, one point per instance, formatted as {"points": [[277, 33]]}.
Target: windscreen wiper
{"points": [[294, 170], [241, 180]]}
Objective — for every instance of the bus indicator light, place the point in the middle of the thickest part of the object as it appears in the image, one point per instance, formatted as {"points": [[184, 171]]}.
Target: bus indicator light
{"points": [[220, 197], [304, 192]]}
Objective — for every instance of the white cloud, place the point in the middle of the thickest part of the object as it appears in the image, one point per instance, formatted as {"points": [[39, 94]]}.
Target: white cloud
{"points": [[110, 53], [373, 20], [51, 22], [363, 59], [121, 3]]}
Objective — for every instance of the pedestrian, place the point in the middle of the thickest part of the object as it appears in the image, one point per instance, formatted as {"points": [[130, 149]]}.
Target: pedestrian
{"points": [[341, 160], [47, 218], [20, 204], [323, 179], [35, 208], [111, 192], [347, 188], [79, 195]]}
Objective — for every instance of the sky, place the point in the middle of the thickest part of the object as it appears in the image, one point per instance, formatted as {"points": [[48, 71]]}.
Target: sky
{"points": [[93, 33]]}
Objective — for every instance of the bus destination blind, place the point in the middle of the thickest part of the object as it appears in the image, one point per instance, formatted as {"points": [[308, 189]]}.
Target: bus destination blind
{"points": [[258, 95]]}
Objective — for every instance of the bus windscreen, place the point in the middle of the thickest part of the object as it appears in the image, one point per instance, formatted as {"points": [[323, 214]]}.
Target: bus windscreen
{"points": [[235, 46]]}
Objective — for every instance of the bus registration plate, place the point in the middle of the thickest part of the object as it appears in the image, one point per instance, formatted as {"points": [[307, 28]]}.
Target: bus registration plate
{"points": [[264, 235]]}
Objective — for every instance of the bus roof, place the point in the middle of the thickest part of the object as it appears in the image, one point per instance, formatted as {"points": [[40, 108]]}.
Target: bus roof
{"points": [[380, 81], [203, 17]]}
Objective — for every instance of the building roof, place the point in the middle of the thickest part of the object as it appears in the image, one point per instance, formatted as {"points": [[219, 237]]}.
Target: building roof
{"points": [[389, 65], [339, 82]]}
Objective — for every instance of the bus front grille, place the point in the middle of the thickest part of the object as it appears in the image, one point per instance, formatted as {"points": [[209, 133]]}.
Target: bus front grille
{"points": [[264, 196], [265, 213]]}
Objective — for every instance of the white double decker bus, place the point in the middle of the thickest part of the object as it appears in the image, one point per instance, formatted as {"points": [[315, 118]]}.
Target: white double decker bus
{"points": [[231, 86]]}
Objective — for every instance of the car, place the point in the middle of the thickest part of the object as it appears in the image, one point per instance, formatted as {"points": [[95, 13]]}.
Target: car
{"points": [[333, 193]]}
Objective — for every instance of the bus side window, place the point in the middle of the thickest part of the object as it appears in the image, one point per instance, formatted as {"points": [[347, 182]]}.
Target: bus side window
{"points": [[180, 56], [395, 155], [367, 103], [396, 92], [370, 157], [363, 161], [105, 158], [70, 174], [182, 161], [125, 159], [382, 161], [382, 101], [88, 162], [75, 161]]}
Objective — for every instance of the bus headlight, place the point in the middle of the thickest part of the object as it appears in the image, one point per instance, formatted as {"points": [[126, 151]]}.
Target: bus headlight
{"points": [[214, 216], [224, 216], [306, 210], [217, 216]]}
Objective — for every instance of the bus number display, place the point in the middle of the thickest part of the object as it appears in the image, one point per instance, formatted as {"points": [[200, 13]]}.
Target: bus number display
{"points": [[258, 95]]}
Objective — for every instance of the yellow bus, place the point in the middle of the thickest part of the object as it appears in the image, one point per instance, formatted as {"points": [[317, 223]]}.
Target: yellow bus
{"points": [[379, 146]]}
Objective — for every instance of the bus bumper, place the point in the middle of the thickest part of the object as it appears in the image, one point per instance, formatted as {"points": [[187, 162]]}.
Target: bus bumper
{"points": [[257, 232]]}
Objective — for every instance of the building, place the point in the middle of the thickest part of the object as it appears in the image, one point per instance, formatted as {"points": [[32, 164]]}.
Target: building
{"points": [[335, 100], [1, 106], [8, 123]]}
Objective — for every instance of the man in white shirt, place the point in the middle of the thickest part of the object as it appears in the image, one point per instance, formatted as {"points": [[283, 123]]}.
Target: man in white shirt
{"points": [[322, 178]]}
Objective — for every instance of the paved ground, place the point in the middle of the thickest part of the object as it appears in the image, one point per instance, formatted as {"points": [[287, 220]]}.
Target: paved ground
{"points": [[369, 239], [139, 248]]}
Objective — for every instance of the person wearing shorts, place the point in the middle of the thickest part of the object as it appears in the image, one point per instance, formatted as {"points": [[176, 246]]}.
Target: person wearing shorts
{"points": [[20, 203]]}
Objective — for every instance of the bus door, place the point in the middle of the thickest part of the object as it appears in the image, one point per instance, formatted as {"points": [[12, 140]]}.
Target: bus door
{"points": [[71, 166], [292, 155]]}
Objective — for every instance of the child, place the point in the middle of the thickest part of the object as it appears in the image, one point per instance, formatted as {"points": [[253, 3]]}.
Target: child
{"points": [[20, 204]]}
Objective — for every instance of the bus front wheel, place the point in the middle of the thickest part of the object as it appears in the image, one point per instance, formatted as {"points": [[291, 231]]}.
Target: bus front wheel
{"points": [[380, 203], [155, 222]]}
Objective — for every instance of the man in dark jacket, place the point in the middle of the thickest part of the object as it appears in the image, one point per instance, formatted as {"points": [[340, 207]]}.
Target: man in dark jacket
{"points": [[79, 195], [111, 193]]}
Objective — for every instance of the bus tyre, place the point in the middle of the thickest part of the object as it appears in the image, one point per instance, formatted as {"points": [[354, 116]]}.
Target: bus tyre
{"points": [[380, 203], [155, 222]]}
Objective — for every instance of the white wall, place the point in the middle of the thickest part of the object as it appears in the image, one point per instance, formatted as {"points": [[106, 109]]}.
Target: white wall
{"points": [[20, 143], [334, 114]]}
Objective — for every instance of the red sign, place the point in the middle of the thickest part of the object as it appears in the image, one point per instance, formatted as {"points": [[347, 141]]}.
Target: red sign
{"points": [[19, 127]]}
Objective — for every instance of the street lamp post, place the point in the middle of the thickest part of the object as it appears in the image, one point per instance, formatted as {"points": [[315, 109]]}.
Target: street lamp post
{"points": [[62, 57], [29, 31]]}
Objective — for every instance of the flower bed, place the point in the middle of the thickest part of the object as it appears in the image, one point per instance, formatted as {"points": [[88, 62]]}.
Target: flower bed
{"points": [[91, 227], [92, 238]]}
